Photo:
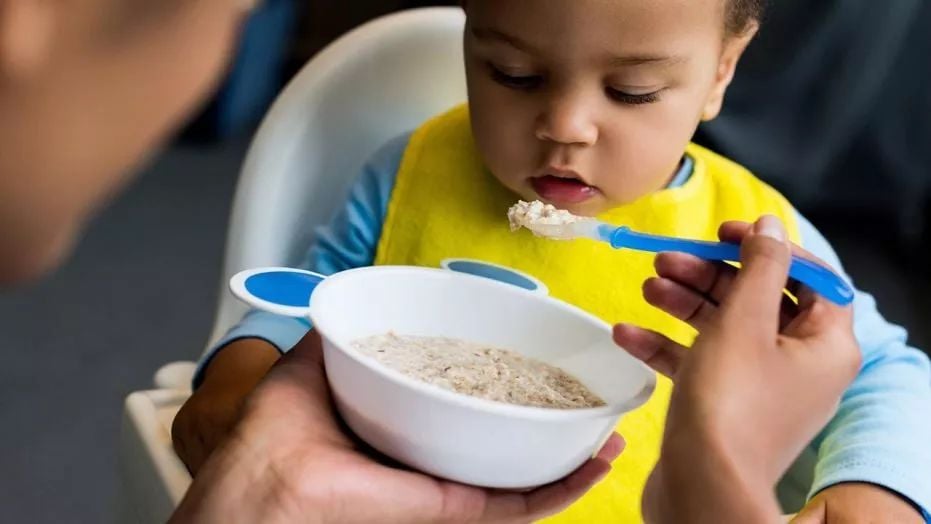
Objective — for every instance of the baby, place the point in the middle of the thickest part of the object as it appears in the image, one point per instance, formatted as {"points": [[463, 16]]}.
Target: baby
{"points": [[590, 105]]}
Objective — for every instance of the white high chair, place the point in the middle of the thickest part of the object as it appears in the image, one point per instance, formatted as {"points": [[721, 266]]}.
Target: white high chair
{"points": [[374, 83]]}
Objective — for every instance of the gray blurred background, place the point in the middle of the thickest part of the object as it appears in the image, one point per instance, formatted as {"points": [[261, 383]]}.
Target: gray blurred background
{"points": [[836, 117]]}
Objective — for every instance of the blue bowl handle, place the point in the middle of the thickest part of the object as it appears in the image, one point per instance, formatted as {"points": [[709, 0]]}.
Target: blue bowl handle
{"points": [[281, 290]]}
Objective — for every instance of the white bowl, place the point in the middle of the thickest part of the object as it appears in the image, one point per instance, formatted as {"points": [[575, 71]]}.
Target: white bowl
{"points": [[454, 436]]}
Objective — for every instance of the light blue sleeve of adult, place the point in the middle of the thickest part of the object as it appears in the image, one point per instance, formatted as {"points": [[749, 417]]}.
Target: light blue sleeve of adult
{"points": [[347, 242], [881, 433]]}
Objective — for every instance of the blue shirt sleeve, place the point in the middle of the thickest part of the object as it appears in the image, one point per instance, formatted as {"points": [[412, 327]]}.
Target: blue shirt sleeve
{"points": [[348, 241], [881, 433]]}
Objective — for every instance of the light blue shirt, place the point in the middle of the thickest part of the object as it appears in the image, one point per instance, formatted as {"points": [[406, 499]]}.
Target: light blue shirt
{"points": [[881, 433]]}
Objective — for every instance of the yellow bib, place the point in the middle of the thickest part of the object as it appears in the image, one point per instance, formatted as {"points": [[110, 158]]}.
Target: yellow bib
{"points": [[446, 204]]}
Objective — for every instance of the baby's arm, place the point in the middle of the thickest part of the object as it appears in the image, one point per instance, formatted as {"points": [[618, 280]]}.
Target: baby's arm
{"points": [[881, 433], [230, 370]]}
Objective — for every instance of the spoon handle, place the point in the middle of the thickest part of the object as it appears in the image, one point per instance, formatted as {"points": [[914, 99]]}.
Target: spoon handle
{"points": [[819, 278]]}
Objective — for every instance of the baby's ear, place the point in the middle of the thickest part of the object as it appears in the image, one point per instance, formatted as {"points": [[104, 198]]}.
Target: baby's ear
{"points": [[734, 47], [26, 32]]}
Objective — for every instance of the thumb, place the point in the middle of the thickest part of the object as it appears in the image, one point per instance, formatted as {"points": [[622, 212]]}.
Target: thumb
{"points": [[308, 350], [757, 292], [298, 376]]}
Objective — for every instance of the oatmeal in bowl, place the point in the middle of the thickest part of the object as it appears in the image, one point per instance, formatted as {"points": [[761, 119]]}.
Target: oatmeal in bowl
{"points": [[482, 439], [479, 370]]}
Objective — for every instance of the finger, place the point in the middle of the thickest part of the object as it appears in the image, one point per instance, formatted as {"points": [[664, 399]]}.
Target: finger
{"points": [[612, 448], [298, 379], [708, 278], [529, 506], [653, 349], [814, 513], [805, 295], [735, 232], [809, 300], [679, 301], [308, 350], [758, 288], [556, 497], [301, 371], [821, 319], [708, 282], [295, 368]]}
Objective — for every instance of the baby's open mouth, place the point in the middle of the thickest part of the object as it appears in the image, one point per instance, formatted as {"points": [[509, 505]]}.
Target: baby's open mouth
{"points": [[561, 190]]}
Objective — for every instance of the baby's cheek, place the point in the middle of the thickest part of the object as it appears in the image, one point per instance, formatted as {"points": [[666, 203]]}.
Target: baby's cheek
{"points": [[518, 185]]}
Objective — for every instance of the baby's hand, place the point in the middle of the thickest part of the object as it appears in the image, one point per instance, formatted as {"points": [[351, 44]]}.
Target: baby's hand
{"points": [[853, 503], [213, 409], [203, 422]]}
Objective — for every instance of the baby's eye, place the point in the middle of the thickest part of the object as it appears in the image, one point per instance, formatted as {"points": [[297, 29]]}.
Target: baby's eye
{"points": [[524, 82], [631, 98]]}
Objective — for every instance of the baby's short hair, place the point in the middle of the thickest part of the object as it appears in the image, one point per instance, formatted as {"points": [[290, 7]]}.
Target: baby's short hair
{"points": [[741, 13]]}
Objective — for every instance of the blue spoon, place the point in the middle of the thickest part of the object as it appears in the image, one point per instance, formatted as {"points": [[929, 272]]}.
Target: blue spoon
{"points": [[817, 277]]}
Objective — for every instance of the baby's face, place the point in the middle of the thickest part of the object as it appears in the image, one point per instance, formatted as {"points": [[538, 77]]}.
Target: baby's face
{"points": [[589, 104]]}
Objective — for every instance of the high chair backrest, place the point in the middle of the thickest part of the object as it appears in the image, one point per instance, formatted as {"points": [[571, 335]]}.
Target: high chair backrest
{"points": [[374, 83]]}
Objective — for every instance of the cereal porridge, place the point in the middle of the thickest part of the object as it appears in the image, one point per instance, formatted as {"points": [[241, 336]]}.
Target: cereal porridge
{"points": [[530, 214], [478, 370]]}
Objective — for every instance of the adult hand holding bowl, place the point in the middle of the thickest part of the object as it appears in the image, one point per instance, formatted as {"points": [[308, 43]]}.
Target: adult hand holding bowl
{"points": [[447, 434], [289, 460]]}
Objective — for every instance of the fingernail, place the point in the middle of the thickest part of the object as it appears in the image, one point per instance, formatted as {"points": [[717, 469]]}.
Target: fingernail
{"points": [[770, 226]]}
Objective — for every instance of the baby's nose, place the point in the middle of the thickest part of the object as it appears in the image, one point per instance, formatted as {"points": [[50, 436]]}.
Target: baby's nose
{"points": [[568, 120]]}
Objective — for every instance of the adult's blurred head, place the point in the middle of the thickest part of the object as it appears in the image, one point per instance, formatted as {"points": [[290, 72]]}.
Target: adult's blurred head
{"points": [[88, 88]]}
